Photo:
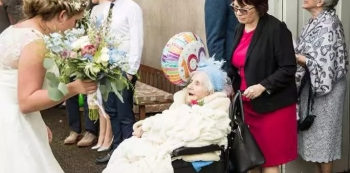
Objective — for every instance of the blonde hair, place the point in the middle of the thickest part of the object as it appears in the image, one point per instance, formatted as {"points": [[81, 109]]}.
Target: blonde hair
{"points": [[48, 9]]}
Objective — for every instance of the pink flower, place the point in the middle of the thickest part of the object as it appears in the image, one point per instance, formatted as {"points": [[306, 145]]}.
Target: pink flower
{"points": [[66, 54], [88, 49], [194, 102], [69, 54]]}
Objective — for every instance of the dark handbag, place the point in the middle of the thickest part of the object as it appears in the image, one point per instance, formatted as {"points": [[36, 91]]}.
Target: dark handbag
{"points": [[309, 119], [244, 152]]}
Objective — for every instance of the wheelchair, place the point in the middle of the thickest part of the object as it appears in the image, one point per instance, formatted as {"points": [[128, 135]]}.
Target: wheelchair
{"points": [[221, 166], [224, 165]]}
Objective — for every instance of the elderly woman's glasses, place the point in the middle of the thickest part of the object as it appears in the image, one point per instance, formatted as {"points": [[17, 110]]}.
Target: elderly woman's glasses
{"points": [[241, 10]]}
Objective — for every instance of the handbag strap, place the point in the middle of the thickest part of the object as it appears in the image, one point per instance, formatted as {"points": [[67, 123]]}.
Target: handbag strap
{"points": [[236, 107], [310, 99]]}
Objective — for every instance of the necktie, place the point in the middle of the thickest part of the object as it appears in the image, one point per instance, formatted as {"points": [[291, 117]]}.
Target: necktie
{"points": [[112, 5], [110, 9]]}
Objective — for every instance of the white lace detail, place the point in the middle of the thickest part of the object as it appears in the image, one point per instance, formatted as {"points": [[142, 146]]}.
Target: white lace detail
{"points": [[12, 41]]}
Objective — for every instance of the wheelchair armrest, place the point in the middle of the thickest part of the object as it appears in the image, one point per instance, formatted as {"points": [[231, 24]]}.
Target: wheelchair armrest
{"points": [[195, 150]]}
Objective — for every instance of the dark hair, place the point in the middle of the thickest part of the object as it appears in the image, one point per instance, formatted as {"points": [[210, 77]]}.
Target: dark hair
{"points": [[262, 6]]}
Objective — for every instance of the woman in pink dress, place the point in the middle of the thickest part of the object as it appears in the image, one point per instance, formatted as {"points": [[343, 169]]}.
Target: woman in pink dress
{"points": [[262, 66]]}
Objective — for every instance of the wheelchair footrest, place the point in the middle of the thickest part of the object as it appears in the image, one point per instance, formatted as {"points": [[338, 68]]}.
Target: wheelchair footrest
{"points": [[195, 150]]}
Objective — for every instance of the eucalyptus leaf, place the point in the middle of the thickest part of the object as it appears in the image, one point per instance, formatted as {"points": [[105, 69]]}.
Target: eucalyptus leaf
{"points": [[51, 76], [55, 94], [120, 85], [53, 83], [48, 63], [108, 85], [63, 88], [114, 87], [104, 92], [119, 96], [52, 79], [102, 88], [105, 95]]}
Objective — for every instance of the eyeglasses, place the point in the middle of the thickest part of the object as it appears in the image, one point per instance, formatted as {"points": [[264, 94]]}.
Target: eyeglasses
{"points": [[243, 11]]}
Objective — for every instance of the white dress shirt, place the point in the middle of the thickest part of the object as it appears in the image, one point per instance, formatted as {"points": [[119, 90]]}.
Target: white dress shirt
{"points": [[127, 22]]}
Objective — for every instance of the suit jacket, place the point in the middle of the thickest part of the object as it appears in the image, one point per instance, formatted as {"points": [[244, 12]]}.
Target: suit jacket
{"points": [[270, 61]]}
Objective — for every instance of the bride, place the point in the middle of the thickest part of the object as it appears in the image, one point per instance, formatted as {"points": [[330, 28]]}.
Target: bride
{"points": [[24, 145]]}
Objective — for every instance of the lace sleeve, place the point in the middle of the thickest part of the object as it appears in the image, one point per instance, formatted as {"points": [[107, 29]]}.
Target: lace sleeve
{"points": [[13, 40]]}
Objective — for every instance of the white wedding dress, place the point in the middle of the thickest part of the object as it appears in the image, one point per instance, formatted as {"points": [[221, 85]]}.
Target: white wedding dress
{"points": [[24, 144]]}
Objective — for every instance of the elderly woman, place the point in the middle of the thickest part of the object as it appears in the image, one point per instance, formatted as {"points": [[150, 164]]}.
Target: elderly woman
{"points": [[321, 55], [263, 67], [198, 117]]}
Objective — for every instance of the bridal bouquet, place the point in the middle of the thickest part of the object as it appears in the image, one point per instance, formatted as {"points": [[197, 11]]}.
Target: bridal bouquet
{"points": [[87, 52]]}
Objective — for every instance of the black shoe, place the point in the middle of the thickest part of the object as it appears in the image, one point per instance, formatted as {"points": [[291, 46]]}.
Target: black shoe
{"points": [[103, 159]]}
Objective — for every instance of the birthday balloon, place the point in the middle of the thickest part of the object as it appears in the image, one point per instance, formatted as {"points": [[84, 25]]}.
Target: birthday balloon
{"points": [[180, 57]]}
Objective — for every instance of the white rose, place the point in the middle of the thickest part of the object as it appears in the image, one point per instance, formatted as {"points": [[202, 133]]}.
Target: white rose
{"points": [[81, 42], [104, 57], [104, 50]]}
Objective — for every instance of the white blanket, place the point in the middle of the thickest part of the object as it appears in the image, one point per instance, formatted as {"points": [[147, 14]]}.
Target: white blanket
{"points": [[179, 126]]}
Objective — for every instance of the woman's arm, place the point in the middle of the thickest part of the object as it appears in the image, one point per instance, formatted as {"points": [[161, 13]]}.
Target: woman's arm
{"points": [[327, 62], [31, 74], [285, 57]]}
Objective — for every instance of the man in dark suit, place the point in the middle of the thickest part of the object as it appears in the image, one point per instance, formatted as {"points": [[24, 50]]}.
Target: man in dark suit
{"points": [[220, 24]]}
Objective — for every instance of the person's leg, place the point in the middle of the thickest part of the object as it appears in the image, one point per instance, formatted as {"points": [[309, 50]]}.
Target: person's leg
{"points": [[111, 109], [215, 15], [318, 168], [125, 110], [231, 24], [327, 167], [73, 115], [256, 170], [273, 169], [102, 132], [108, 137], [90, 128]]}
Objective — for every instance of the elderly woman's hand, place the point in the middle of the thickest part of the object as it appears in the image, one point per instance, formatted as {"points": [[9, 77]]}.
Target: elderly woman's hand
{"points": [[138, 132], [301, 59]]}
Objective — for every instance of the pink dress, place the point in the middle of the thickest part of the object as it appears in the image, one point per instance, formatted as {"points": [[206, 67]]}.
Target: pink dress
{"points": [[275, 132]]}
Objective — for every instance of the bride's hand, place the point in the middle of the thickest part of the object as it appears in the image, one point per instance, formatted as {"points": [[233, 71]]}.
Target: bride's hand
{"points": [[138, 132], [49, 133], [84, 86]]}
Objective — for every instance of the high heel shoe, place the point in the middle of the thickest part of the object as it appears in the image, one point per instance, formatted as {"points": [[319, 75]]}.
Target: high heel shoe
{"points": [[96, 147], [102, 148]]}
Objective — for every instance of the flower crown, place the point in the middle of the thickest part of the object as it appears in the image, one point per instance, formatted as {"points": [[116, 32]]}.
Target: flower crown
{"points": [[77, 4]]}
